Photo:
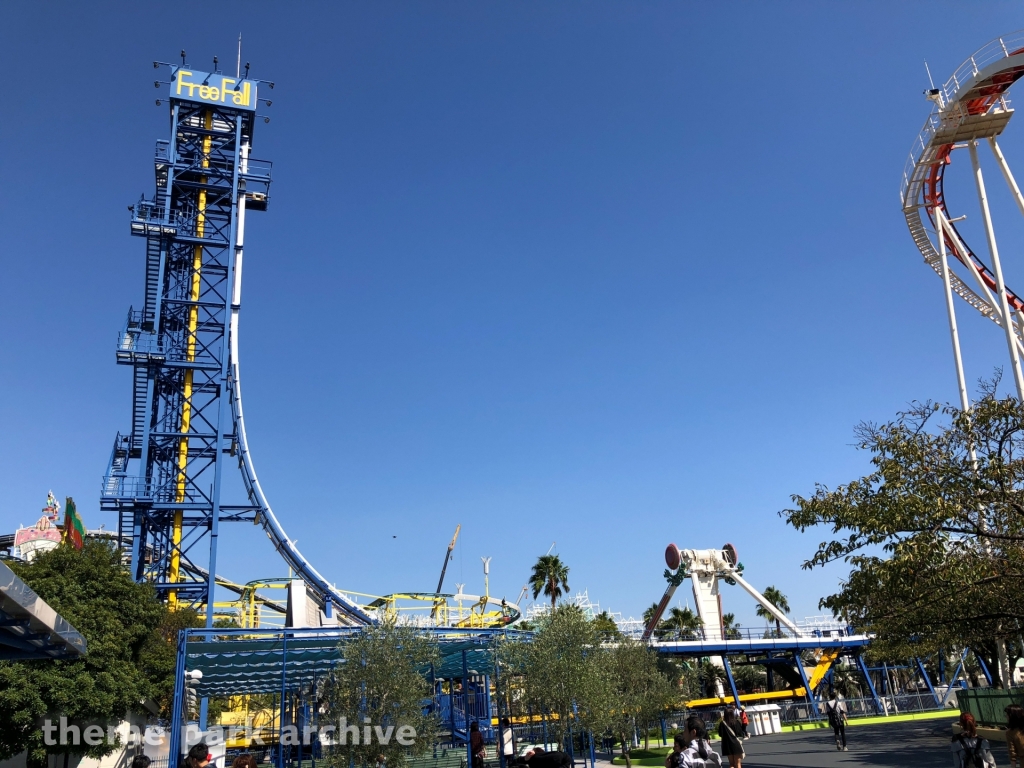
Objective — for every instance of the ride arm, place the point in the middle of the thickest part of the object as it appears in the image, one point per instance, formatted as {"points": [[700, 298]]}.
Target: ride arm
{"points": [[775, 612], [674, 580], [447, 557]]}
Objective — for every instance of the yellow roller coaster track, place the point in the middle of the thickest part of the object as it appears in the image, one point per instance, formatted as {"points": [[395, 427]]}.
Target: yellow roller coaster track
{"points": [[825, 661]]}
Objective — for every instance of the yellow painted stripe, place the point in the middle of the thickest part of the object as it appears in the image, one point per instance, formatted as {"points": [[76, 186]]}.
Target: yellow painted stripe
{"points": [[718, 701]]}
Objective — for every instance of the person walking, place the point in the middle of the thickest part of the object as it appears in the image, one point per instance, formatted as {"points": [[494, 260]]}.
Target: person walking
{"points": [[970, 751], [732, 743], [476, 745], [835, 709], [1015, 735], [744, 721], [507, 741]]}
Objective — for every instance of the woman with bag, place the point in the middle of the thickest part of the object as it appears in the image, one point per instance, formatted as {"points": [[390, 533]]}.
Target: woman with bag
{"points": [[732, 743]]}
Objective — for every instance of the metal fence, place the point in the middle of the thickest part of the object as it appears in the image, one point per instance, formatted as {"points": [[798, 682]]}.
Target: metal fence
{"points": [[800, 711], [988, 704]]}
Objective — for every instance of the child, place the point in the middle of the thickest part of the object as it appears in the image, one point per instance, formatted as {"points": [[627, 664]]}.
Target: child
{"points": [[968, 750]]}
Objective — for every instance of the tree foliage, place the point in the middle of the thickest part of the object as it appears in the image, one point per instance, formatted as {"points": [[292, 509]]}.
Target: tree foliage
{"points": [[116, 616], [606, 627], [774, 596], [681, 623], [550, 576], [159, 655], [381, 682], [935, 533], [561, 672], [749, 677], [571, 674], [640, 691]]}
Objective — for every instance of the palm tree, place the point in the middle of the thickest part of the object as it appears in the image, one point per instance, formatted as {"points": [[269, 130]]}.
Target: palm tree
{"points": [[730, 626], [681, 621], [606, 626], [649, 613], [779, 600], [550, 576]]}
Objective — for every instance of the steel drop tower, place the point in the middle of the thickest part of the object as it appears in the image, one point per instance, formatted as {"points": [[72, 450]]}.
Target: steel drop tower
{"points": [[165, 476]]}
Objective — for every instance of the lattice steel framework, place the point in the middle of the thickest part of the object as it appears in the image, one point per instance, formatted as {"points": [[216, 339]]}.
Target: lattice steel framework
{"points": [[165, 476]]}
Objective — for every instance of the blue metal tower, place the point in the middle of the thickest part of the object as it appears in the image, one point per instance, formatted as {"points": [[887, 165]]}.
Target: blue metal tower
{"points": [[165, 476]]}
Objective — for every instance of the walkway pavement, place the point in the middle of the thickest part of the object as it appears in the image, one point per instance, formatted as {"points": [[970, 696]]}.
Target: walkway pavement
{"points": [[920, 744]]}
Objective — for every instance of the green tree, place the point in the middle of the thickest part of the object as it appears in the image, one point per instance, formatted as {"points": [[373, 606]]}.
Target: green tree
{"points": [[934, 534], [606, 627], [774, 596], [382, 680], [680, 623], [847, 681], [749, 677], [649, 613], [640, 691], [116, 616], [563, 672], [550, 576], [159, 653], [711, 677], [730, 626]]}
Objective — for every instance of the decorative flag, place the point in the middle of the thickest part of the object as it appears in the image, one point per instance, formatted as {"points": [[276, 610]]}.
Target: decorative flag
{"points": [[74, 528]]}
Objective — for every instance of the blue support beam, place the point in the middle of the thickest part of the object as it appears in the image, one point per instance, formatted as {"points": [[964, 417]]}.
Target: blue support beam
{"points": [[871, 686], [465, 709], [984, 669], [284, 690], [956, 676], [178, 701], [928, 681], [732, 682], [807, 687]]}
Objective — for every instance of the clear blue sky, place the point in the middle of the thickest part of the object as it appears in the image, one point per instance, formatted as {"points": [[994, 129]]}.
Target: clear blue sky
{"points": [[610, 275]]}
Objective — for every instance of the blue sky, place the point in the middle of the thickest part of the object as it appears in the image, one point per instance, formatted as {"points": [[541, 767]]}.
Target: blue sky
{"points": [[604, 274]]}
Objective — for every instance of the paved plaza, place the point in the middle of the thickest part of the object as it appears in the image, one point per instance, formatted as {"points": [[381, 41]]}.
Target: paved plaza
{"points": [[913, 744], [907, 745]]}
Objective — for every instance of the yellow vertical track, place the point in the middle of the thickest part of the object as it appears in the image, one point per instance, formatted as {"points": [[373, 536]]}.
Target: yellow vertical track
{"points": [[174, 574], [828, 656]]}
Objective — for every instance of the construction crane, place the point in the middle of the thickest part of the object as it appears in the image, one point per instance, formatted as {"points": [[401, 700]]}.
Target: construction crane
{"points": [[447, 557]]}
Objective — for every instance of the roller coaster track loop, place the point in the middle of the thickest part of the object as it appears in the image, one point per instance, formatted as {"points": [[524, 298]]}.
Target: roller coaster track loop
{"points": [[970, 106]]}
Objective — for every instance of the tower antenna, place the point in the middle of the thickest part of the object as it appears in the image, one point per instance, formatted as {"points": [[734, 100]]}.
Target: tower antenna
{"points": [[931, 82], [238, 62]]}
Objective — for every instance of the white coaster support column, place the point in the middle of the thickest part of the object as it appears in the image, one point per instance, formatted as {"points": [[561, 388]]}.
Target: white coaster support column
{"points": [[997, 268], [954, 334]]}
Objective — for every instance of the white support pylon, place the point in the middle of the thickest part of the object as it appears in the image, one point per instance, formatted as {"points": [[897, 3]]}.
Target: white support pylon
{"points": [[940, 221], [997, 268]]}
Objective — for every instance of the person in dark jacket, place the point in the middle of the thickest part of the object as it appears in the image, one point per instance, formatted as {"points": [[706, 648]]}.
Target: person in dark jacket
{"points": [[476, 745], [732, 740], [199, 756], [538, 758]]}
